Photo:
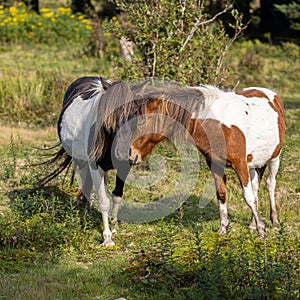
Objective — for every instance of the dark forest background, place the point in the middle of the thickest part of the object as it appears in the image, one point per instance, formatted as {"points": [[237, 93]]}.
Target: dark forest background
{"points": [[278, 20]]}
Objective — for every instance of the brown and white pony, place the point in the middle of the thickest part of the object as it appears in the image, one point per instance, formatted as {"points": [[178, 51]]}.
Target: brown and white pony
{"points": [[242, 130], [95, 134]]}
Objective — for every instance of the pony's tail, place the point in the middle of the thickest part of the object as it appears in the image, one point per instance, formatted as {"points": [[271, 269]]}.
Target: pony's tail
{"points": [[65, 161]]}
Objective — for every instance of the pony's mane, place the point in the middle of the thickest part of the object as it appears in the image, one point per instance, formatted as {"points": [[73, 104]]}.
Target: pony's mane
{"points": [[115, 107], [177, 100], [180, 105], [85, 87], [177, 104]]}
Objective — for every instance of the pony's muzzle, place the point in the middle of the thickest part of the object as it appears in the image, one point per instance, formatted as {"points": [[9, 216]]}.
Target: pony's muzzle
{"points": [[134, 158]]}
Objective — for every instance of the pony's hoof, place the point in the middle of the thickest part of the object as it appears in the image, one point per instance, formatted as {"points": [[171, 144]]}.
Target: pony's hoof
{"points": [[252, 228], [108, 243], [276, 225], [222, 231], [262, 235], [114, 220]]}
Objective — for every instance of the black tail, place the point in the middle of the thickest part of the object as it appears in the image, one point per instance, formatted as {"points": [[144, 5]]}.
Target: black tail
{"points": [[64, 159], [260, 171]]}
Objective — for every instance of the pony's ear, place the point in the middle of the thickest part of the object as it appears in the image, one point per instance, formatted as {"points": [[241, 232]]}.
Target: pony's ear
{"points": [[105, 83], [153, 105]]}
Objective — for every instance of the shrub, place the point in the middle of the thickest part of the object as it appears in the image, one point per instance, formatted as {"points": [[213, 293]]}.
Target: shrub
{"points": [[18, 25], [175, 40]]}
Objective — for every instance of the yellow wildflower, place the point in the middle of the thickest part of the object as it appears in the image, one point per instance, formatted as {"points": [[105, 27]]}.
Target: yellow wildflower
{"points": [[48, 14], [13, 10], [64, 10], [44, 10]]}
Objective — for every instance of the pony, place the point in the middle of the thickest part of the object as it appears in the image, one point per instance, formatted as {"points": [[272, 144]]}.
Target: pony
{"points": [[89, 128], [243, 130]]}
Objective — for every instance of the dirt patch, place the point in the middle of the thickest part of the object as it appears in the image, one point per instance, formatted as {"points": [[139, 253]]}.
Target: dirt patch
{"points": [[28, 136]]}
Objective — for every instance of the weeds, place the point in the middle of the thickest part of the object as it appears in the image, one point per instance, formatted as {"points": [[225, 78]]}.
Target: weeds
{"points": [[231, 268]]}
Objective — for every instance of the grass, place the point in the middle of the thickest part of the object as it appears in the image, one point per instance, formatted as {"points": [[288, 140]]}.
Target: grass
{"points": [[179, 256]]}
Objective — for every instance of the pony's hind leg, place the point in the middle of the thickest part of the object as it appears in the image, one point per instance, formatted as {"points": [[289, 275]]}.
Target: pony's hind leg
{"points": [[245, 176], [273, 167], [256, 178], [255, 188], [86, 189]]}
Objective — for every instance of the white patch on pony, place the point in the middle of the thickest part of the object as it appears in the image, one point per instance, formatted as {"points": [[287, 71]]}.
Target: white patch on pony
{"points": [[76, 123], [253, 116], [210, 93]]}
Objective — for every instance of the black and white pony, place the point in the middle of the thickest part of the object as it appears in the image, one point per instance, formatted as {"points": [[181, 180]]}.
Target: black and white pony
{"points": [[95, 135]]}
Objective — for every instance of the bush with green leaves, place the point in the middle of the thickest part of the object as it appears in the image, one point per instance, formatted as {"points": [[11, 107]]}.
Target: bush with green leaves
{"points": [[41, 226], [19, 25], [177, 40]]}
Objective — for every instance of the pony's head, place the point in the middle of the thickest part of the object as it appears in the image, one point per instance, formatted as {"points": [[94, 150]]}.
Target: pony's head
{"points": [[165, 113], [147, 133]]}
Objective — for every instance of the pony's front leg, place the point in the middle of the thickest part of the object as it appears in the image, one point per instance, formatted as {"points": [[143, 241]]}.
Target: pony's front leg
{"points": [[104, 206], [117, 198], [220, 183], [122, 173], [116, 204], [217, 171]]}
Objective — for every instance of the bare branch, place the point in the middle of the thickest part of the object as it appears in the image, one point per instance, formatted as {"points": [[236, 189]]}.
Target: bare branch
{"points": [[199, 23], [239, 28]]}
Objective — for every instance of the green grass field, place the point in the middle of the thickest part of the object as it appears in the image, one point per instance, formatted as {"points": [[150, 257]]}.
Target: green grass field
{"points": [[46, 252]]}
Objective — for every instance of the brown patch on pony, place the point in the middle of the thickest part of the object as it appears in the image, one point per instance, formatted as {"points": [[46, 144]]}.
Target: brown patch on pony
{"points": [[153, 105], [252, 93], [221, 145], [278, 106], [249, 158], [236, 152], [176, 104]]}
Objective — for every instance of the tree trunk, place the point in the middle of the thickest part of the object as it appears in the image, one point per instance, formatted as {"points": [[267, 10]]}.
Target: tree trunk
{"points": [[83, 6], [33, 5], [266, 20]]}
